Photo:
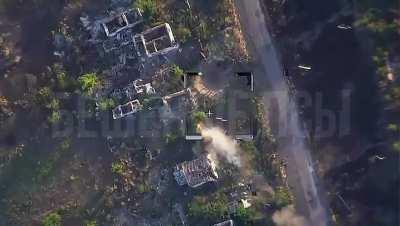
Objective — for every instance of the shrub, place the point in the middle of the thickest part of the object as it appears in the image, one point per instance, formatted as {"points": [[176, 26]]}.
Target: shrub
{"points": [[202, 208], [393, 127], [199, 117], [53, 219], [183, 33], [54, 104], [54, 117], [396, 146], [91, 223], [148, 7], [177, 72], [282, 197], [244, 216], [44, 95], [88, 83], [117, 167], [106, 104]]}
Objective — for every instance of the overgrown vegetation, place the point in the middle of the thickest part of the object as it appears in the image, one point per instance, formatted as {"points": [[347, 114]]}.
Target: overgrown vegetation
{"points": [[367, 176], [177, 72], [175, 79], [91, 223], [106, 104], [46, 98], [52, 219], [47, 167], [243, 216], [203, 208], [118, 167], [379, 19], [282, 197], [89, 83], [148, 7], [199, 117]]}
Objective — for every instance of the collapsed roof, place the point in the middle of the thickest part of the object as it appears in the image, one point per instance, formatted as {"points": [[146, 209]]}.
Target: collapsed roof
{"points": [[158, 40], [196, 172], [225, 223], [114, 24], [126, 109]]}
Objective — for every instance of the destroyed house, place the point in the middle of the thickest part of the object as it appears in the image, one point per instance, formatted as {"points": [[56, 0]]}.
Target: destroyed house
{"points": [[225, 223], [143, 88], [129, 48], [126, 109], [196, 172], [158, 40], [133, 90], [114, 24], [180, 101], [234, 115]]}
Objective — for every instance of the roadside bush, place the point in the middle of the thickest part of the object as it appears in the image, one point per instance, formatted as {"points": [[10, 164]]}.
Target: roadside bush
{"points": [[282, 197]]}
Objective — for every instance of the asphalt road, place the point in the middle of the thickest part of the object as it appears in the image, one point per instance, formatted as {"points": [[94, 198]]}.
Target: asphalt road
{"points": [[309, 197]]}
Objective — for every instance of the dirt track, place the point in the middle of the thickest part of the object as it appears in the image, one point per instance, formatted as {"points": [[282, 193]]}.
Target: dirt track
{"points": [[292, 142]]}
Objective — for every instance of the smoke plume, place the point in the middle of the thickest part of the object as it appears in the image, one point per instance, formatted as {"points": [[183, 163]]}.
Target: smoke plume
{"points": [[288, 217], [221, 145]]}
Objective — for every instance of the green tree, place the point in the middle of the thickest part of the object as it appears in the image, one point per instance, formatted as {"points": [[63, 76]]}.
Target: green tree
{"points": [[52, 219], [44, 96], [148, 7], [106, 104], [117, 167], [202, 208], [384, 31], [199, 116], [177, 72], [54, 117], [393, 127], [89, 83], [396, 146], [54, 104], [243, 216]]}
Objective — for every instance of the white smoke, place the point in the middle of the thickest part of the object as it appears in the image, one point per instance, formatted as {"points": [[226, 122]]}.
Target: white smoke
{"points": [[288, 217], [221, 145]]}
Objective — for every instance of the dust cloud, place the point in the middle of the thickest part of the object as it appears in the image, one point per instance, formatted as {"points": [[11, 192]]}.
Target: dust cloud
{"points": [[288, 217], [221, 145]]}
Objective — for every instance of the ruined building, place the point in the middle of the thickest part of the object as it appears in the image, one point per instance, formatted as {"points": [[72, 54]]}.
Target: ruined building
{"points": [[126, 109], [196, 172], [124, 44], [225, 223], [116, 23]]}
